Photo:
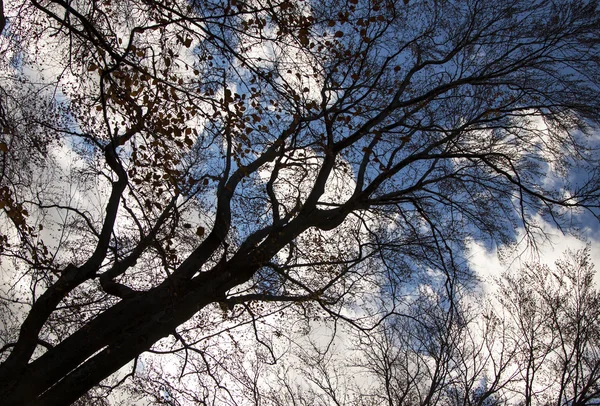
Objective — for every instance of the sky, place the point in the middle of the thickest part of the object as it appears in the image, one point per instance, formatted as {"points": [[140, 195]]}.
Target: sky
{"points": [[486, 260]]}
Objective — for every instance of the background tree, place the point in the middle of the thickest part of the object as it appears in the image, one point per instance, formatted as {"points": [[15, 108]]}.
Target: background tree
{"points": [[201, 166], [433, 354], [554, 329], [536, 343]]}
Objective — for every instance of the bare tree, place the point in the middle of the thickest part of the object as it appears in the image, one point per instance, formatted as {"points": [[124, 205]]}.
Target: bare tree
{"points": [[211, 165], [438, 353], [554, 328], [535, 344]]}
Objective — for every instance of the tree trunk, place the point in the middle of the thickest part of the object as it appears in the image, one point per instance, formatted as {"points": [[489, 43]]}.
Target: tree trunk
{"points": [[119, 334]]}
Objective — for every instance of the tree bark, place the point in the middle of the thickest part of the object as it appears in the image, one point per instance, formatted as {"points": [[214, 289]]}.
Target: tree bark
{"points": [[2, 17], [119, 334]]}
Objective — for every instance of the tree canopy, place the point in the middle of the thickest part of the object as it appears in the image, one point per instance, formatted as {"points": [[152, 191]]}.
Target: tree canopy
{"points": [[173, 170]]}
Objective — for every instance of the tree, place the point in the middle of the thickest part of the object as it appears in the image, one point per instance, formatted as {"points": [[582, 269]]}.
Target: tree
{"points": [[187, 167], [535, 343], [438, 355], [554, 330]]}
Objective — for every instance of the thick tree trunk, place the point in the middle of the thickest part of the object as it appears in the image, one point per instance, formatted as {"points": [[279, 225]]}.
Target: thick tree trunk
{"points": [[117, 336], [2, 17]]}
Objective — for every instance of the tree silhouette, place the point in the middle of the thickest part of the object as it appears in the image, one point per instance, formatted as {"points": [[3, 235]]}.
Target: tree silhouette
{"points": [[554, 329], [536, 342], [173, 169]]}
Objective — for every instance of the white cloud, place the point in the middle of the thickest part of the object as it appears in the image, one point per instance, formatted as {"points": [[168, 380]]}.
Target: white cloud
{"points": [[489, 264]]}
